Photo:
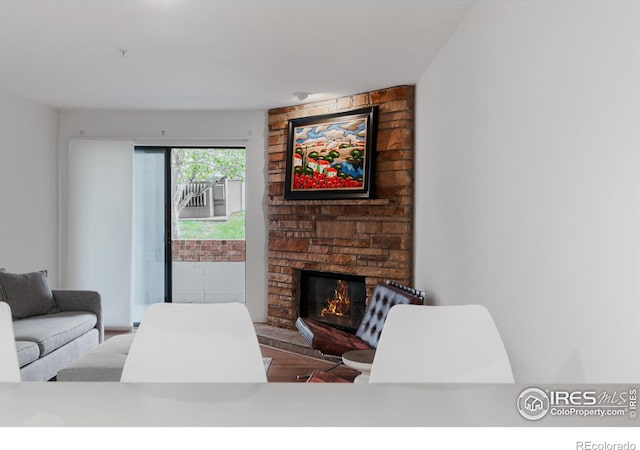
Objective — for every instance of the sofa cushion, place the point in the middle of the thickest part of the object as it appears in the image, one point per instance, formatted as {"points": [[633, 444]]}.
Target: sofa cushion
{"points": [[52, 331], [105, 363], [28, 352], [27, 294], [117, 344]]}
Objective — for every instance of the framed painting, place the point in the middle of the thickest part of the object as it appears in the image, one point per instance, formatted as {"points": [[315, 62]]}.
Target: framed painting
{"points": [[331, 156]]}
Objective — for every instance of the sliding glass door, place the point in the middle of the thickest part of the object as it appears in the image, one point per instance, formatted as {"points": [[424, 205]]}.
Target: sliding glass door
{"points": [[189, 229]]}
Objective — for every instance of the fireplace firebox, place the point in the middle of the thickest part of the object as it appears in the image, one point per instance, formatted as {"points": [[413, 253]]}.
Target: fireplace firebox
{"points": [[335, 299]]}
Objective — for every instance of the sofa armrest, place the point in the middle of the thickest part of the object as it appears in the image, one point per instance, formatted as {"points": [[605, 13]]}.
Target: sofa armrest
{"points": [[74, 300]]}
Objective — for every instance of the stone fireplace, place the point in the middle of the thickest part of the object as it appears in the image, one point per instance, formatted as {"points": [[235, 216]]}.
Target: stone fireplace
{"points": [[367, 238]]}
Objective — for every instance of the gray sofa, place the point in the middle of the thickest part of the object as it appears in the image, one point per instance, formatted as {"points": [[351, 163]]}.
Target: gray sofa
{"points": [[49, 342], [52, 328]]}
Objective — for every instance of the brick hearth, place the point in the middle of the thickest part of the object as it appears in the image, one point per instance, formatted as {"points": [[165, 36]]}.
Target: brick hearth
{"points": [[368, 237]]}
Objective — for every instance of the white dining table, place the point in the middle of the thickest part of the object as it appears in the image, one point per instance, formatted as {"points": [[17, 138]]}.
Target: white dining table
{"points": [[271, 404]]}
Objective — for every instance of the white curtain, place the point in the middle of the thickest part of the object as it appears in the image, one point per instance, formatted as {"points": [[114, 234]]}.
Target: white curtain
{"points": [[100, 184]]}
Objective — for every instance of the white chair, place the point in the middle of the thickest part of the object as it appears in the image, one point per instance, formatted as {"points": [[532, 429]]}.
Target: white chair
{"points": [[195, 343], [440, 344], [9, 368]]}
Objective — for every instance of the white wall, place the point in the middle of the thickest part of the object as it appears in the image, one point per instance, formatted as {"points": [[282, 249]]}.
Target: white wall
{"points": [[28, 186], [528, 183], [242, 128]]}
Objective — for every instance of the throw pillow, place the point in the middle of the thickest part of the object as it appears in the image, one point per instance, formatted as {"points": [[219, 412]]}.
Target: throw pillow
{"points": [[27, 294]]}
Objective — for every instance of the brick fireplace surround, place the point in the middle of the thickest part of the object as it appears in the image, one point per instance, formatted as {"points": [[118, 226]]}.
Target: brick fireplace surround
{"points": [[367, 237]]}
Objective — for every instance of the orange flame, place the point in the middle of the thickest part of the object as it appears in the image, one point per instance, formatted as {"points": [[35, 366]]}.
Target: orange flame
{"points": [[340, 304]]}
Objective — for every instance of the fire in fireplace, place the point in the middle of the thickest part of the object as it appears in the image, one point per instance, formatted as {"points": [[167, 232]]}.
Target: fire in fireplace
{"points": [[335, 299], [340, 304]]}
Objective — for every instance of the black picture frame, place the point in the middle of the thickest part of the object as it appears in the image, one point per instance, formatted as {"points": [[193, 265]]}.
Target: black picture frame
{"points": [[331, 156]]}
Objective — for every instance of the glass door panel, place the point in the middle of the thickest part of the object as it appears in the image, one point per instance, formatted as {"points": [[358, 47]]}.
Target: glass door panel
{"points": [[149, 235], [207, 225]]}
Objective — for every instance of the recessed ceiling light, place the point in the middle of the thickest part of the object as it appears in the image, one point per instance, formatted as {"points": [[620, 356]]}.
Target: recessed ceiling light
{"points": [[301, 95]]}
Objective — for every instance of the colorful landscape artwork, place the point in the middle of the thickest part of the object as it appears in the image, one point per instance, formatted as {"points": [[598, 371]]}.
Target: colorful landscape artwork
{"points": [[330, 155]]}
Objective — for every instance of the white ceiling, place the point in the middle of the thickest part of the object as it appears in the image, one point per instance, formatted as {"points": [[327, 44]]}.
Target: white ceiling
{"points": [[215, 54]]}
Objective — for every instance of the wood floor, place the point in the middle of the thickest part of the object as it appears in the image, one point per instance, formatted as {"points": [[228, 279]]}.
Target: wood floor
{"points": [[287, 365]]}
